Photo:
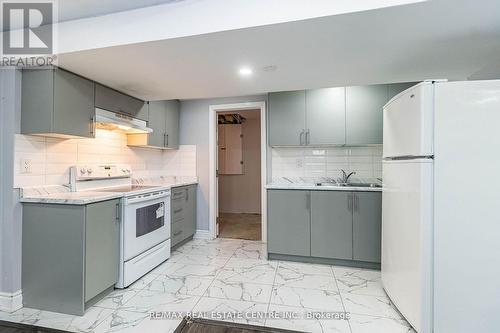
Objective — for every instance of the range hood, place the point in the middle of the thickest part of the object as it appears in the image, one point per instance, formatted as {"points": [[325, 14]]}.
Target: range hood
{"points": [[119, 122]]}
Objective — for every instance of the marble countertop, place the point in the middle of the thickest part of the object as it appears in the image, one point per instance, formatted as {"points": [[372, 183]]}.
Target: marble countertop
{"points": [[58, 194], [72, 198], [302, 186]]}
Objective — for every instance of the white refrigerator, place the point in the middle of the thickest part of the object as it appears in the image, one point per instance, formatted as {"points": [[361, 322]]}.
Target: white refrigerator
{"points": [[441, 205]]}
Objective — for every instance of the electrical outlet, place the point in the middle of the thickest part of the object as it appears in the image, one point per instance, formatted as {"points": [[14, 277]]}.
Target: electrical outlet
{"points": [[299, 163], [26, 165]]}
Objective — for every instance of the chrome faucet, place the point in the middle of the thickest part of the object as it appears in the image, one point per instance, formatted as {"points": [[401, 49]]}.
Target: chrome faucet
{"points": [[345, 176]]}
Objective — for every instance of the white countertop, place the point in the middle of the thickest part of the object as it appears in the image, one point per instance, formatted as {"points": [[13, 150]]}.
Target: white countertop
{"points": [[72, 198], [301, 186], [61, 195]]}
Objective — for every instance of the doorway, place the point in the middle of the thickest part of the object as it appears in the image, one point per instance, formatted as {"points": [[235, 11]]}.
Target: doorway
{"points": [[238, 170], [237, 153]]}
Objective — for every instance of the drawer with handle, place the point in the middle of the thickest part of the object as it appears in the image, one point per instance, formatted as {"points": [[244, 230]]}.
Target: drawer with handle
{"points": [[177, 236], [178, 209], [178, 193], [177, 225]]}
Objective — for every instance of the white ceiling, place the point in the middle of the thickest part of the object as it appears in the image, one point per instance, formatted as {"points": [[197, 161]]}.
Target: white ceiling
{"points": [[76, 9], [451, 39]]}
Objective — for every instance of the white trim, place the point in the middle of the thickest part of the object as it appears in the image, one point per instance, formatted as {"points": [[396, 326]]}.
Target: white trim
{"points": [[212, 151], [10, 302], [202, 234]]}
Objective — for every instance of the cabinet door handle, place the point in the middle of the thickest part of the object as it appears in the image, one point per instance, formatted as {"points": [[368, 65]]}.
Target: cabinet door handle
{"points": [[187, 194], [301, 138], [178, 211], [167, 140], [308, 137], [356, 202], [177, 233], [92, 126], [349, 202], [117, 212], [308, 201]]}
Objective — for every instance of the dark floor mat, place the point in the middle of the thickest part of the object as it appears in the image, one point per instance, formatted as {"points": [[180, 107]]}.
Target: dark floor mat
{"points": [[9, 327], [214, 326]]}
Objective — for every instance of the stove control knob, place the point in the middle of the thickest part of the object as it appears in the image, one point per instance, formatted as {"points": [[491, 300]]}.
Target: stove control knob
{"points": [[124, 170], [83, 170], [89, 171], [128, 170]]}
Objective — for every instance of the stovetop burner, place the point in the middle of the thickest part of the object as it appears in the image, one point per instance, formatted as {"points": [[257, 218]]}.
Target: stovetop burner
{"points": [[126, 188]]}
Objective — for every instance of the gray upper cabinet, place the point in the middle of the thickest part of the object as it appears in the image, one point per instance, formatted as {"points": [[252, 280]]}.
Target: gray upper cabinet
{"points": [[56, 102], [163, 119], [157, 121], [367, 225], [331, 224], [325, 116], [364, 106], [350, 116], [172, 109], [112, 100], [289, 225], [287, 118]]}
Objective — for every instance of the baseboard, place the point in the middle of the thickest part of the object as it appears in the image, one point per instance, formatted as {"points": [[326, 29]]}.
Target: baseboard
{"points": [[202, 234], [10, 302]]}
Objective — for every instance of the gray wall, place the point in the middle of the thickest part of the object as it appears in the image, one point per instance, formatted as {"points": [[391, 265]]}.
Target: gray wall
{"points": [[194, 131], [10, 208]]}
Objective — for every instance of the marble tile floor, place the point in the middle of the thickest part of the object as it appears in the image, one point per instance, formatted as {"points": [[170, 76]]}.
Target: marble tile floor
{"points": [[234, 276]]}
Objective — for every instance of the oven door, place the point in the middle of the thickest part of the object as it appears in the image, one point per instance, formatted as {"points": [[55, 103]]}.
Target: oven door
{"points": [[146, 222]]}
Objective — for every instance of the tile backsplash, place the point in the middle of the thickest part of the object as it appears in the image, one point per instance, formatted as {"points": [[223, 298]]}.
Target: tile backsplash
{"points": [[51, 157], [326, 162]]}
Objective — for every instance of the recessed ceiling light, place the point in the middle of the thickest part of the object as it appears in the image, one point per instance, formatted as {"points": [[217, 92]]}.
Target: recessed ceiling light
{"points": [[245, 71]]}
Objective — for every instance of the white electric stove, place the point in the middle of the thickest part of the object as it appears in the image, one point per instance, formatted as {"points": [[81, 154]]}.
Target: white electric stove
{"points": [[145, 218]]}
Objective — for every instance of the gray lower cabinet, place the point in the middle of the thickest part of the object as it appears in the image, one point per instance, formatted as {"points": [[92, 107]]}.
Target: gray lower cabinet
{"points": [[287, 118], [325, 226], [163, 119], [331, 224], [55, 102], [112, 100], [325, 119], [289, 222], [70, 255], [367, 226], [182, 214]]}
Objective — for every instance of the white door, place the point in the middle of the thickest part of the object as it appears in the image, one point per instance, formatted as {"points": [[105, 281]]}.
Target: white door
{"points": [[408, 122], [407, 238]]}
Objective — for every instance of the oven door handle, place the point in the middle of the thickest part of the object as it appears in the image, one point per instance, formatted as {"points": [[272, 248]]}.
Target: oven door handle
{"points": [[146, 197]]}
